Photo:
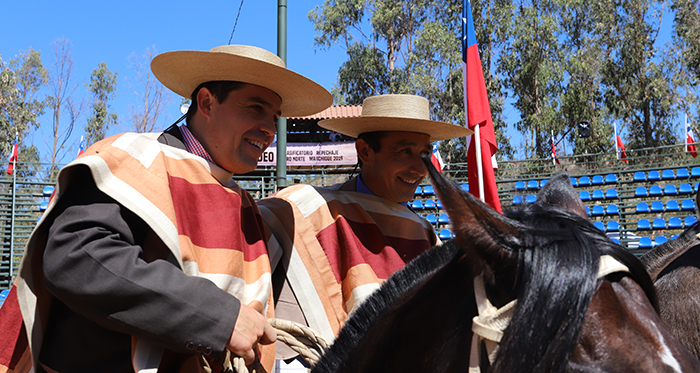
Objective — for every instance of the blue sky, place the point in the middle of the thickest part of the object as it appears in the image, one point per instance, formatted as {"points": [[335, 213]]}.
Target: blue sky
{"points": [[110, 31]]}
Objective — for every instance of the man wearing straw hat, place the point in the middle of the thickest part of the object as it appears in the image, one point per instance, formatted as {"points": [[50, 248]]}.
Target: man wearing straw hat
{"points": [[150, 255], [336, 245]]}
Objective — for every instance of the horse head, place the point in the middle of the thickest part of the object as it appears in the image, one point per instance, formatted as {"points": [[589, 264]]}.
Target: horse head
{"points": [[546, 257]]}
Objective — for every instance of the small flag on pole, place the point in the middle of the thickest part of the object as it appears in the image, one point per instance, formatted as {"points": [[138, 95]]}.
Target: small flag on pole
{"points": [[554, 151], [690, 140], [619, 146], [14, 155], [81, 147], [436, 159]]}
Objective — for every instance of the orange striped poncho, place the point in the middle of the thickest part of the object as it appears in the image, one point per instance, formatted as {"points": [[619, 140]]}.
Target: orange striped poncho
{"points": [[337, 247], [214, 228]]}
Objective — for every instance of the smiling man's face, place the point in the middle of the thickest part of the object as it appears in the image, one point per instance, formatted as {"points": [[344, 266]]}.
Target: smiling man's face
{"points": [[396, 169], [239, 129]]}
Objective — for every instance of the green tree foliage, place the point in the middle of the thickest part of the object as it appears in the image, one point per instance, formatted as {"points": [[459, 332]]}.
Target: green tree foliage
{"points": [[20, 105], [683, 59], [103, 84]]}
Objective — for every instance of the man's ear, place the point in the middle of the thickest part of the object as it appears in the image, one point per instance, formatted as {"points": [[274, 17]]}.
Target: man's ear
{"points": [[364, 151], [204, 101]]}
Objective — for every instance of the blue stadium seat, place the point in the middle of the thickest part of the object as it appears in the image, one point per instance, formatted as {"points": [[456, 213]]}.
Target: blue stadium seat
{"points": [[584, 195], [599, 225], [657, 206], [682, 173], [597, 180], [47, 191], [670, 190], [672, 205], [610, 179], [445, 234], [641, 191], [417, 204], [431, 218], [443, 219], [520, 185], [642, 208], [532, 184], [689, 220], [640, 176], [597, 210], [695, 172], [44, 205], [597, 195], [543, 182], [612, 209], [658, 223], [428, 190], [517, 200], [643, 224], [611, 193], [612, 226], [584, 181], [668, 174], [588, 210], [429, 204], [673, 237], [696, 186], [645, 243], [530, 198], [675, 223], [687, 205], [464, 186], [660, 240], [615, 240], [574, 181], [655, 191], [438, 204], [685, 188], [418, 192], [653, 176]]}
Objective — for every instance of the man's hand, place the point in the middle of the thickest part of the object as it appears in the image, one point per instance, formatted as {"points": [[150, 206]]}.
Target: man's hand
{"points": [[251, 328]]}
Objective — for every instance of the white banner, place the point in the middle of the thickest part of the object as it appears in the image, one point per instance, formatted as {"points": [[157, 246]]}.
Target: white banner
{"points": [[312, 154]]}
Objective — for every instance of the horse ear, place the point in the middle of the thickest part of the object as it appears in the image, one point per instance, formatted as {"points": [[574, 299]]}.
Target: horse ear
{"points": [[483, 233], [558, 192]]}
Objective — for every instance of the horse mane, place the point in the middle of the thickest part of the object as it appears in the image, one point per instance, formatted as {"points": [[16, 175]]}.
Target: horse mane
{"points": [[557, 277], [403, 280]]}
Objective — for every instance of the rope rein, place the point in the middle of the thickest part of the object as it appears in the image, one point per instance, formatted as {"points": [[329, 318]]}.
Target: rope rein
{"points": [[301, 339]]}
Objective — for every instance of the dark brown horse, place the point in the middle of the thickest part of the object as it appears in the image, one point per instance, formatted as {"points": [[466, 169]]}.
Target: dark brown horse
{"points": [[547, 256], [675, 269]]}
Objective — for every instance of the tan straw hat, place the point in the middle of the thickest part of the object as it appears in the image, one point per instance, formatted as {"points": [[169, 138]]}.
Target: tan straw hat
{"points": [[407, 113], [184, 71]]}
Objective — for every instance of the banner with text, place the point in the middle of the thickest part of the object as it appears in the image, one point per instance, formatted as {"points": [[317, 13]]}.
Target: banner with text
{"points": [[312, 154]]}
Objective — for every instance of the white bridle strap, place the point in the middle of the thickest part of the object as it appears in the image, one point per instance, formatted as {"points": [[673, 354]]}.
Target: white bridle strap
{"points": [[489, 325]]}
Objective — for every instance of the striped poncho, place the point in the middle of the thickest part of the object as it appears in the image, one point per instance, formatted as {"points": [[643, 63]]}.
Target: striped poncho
{"points": [[213, 228], [337, 247]]}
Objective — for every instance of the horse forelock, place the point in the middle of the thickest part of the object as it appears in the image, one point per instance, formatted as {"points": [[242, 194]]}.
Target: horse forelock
{"points": [[557, 276]]}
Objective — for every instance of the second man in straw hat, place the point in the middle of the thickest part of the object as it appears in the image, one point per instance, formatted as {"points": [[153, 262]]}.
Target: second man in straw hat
{"points": [[347, 239]]}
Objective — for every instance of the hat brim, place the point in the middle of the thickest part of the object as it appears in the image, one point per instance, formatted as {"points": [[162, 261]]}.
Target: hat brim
{"points": [[355, 126], [183, 71]]}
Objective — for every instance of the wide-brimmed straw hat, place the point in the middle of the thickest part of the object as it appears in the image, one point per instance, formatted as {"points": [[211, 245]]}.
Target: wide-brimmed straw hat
{"points": [[184, 71], [407, 113]]}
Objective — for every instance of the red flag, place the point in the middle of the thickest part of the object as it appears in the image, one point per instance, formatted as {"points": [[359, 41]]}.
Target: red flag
{"points": [[81, 147], [621, 149], [690, 142], [14, 155], [436, 159], [476, 103], [554, 151], [13, 339]]}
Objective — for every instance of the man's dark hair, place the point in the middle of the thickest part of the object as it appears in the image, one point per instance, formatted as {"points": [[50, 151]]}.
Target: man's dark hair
{"points": [[220, 90], [373, 139]]}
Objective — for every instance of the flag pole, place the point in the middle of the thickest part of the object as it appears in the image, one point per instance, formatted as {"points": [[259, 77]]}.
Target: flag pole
{"points": [[617, 148], [685, 137], [12, 213]]}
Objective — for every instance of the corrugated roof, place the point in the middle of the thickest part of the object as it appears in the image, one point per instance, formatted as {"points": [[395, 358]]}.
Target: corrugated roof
{"points": [[341, 111]]}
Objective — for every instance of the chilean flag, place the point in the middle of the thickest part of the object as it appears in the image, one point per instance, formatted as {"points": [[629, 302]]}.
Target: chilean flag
{"points": [[621, 149], [81, 147], [436, 159], [478, 112], [554, 150], [690, 141], [14, 155]]}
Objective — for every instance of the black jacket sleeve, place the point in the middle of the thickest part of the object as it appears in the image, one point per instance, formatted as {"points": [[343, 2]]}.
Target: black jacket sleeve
{"points": [[95, 263]]}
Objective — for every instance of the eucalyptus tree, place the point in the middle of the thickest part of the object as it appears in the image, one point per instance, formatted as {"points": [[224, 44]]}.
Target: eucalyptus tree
{"points": [[683, 59], [103, 84]]}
